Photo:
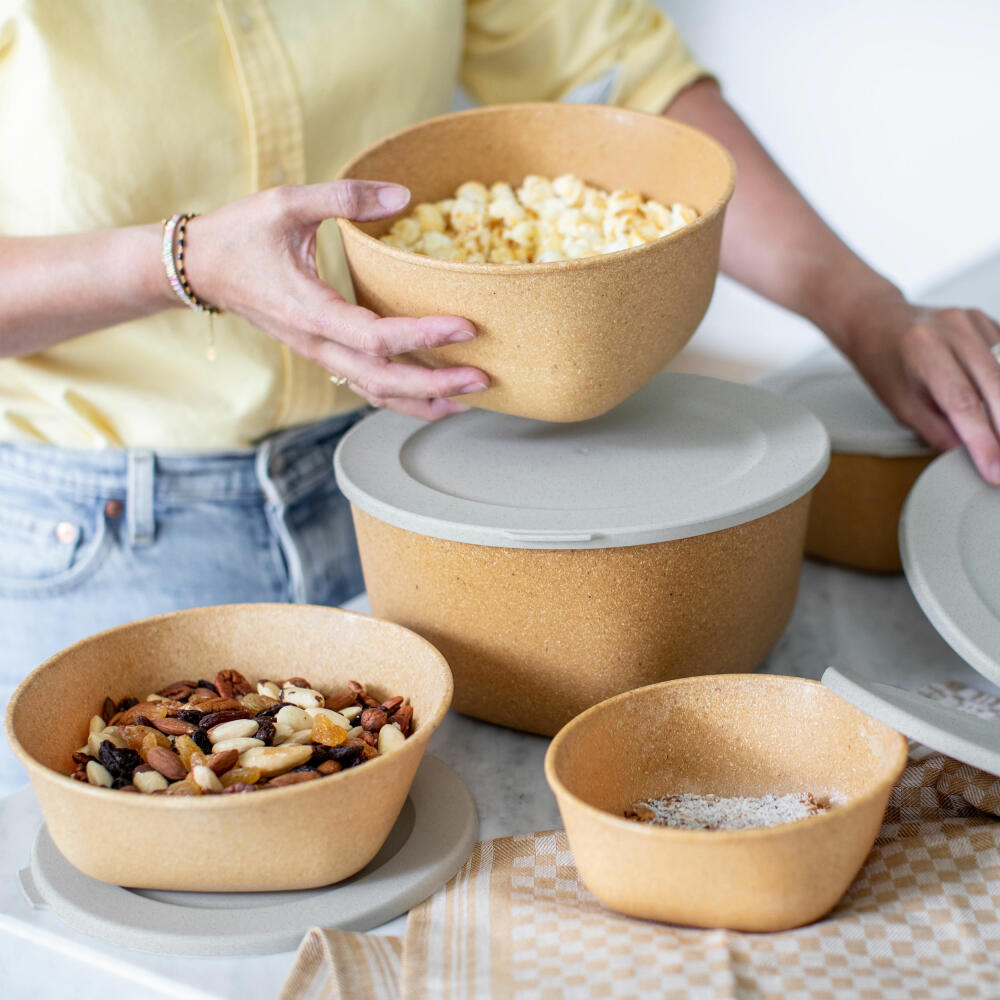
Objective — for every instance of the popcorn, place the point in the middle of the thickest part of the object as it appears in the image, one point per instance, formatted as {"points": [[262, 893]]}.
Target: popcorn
{"points": [[540, 222]]}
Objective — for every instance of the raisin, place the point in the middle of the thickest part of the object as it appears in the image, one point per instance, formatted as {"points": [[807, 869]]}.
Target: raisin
{"points": [[191, 715], [184, 747], [347, 754], [206, 722], [141, 720], [270, 711], [265, 731], [126, 703], [201, 738], [119, 762], [209, 685]]}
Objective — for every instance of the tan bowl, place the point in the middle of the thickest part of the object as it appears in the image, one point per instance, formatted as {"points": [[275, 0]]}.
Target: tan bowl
{"points": [[855, 512], [289, 838], [566, 340], [729, 735], [535, 636]]}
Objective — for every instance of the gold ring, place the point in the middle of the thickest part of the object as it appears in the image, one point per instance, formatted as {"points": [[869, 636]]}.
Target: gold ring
{"points": [[995, 351], [339, 379]]}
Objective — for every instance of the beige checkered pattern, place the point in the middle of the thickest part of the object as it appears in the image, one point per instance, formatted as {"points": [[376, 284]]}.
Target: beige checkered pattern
{"points": [[920, 922]]}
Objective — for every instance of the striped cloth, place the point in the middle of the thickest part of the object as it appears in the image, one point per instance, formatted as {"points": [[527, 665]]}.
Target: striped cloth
{"points": [[920, 922]]}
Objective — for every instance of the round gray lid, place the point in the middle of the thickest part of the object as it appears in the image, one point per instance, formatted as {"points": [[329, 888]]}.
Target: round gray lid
{"points": [[949, 541], [684, 456], [857, 422]]}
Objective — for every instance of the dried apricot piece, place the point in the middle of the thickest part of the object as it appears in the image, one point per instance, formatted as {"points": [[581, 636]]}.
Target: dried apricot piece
{"points": [[184, 746], [327, 732], [185, 787], [235, 775], [153, 739]]}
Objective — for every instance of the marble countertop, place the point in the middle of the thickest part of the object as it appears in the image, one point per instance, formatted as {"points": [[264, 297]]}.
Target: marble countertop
{"points": [[871, 624]]}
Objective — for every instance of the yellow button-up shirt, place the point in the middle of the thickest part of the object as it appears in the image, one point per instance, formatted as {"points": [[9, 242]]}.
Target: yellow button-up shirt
{"points": [[114, 113]]}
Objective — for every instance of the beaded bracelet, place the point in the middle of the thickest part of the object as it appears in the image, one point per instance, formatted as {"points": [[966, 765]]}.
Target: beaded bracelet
{"points": [[173, 262]]}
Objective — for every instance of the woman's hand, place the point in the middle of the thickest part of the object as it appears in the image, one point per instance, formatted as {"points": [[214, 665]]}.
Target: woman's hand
{"points": [[934, 370], [256, 257]]}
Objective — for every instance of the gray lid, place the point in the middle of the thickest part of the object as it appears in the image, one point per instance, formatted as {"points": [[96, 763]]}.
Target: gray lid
{"points": [[684, 456], [432, 838], [948, 730], [949, 541], [857, 422]]}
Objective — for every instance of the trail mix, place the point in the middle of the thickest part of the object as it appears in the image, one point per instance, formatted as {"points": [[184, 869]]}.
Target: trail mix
{"points": [[712, 812], [223, 737]]}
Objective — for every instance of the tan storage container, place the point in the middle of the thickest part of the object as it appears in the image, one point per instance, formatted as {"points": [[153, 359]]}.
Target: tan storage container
{"points": [[297, 837], [747, 735], [874, 462], [556, 565], [566, 340]]}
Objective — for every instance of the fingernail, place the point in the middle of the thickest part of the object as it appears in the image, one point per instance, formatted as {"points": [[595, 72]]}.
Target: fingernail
{"points": [[459, 337], [392, 197], [472, 387]]}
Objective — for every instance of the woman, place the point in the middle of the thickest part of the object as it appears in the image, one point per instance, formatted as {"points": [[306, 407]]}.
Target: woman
{"points": [[154, 457]]}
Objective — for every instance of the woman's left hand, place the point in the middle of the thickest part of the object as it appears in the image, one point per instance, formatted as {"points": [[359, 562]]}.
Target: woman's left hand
{"points": [[934, 369]]}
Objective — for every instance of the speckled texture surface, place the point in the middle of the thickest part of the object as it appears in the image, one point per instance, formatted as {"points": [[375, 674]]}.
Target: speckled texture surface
{"points": [[567, 340], [535, 636], [290, 838], [744, 734], [855, 512]]}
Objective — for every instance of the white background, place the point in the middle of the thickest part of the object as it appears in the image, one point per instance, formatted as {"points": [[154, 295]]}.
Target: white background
{"points": [[886, 114]]}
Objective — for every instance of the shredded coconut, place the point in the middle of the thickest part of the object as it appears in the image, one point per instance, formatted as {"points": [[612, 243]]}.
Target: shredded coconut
{"points": [[711, 812]]}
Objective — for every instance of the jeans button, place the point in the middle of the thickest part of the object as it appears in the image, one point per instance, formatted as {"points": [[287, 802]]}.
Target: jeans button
{"points": [[113, 508]]}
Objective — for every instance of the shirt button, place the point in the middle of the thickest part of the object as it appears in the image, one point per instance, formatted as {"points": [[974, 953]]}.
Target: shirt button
{"points": [[278, 175], [113, 508], [246, 21], [65, 532]]}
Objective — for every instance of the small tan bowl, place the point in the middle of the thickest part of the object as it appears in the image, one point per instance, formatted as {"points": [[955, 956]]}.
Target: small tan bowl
{"points": [[856, 506], [566, 340], [297, 837], [731, 735]]}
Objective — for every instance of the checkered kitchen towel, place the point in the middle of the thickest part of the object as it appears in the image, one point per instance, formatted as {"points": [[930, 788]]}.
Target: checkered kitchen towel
{"points": [[920, 922]]}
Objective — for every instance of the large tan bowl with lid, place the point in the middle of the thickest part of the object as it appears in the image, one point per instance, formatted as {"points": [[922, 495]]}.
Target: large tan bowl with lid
{"points": [[290, 838], [730, 735], [566, 340]]}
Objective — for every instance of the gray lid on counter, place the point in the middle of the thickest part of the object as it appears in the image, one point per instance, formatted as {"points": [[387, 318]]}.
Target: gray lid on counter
{"points": [[684, 456], [856, 420], [949, 542]]}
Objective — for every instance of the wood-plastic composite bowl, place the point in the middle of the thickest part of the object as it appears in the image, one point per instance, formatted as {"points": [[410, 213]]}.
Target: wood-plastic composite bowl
{"points": [[854, 519], [731, 735], [296, 837], [566, 340], [535, 636]]}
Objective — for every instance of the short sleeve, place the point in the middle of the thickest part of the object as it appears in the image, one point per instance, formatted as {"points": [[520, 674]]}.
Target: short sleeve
{"points": [[622, 52]]}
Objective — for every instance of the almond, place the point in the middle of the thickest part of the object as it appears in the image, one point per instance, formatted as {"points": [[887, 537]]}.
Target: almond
{"points": [[295, 778], [223, 760], [174, 727], [167, 763]]}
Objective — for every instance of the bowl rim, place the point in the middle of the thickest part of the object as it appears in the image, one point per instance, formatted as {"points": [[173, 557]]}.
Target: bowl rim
{"points": [[703, 837], [418, 739], [350, 228]]}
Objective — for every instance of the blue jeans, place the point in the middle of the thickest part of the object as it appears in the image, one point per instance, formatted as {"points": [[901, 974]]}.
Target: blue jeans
{"points": [[89, 540]]}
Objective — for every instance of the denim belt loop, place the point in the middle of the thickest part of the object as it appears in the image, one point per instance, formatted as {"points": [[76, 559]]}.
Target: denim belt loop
{"points": [[139, 500]]}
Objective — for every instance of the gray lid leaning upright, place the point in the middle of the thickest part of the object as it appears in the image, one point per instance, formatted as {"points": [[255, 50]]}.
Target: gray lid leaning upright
{"points": [[684, 456], [856, 420]]}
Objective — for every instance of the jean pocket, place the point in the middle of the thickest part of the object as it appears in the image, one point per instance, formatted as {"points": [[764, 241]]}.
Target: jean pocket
{"points": [[46, 551]]}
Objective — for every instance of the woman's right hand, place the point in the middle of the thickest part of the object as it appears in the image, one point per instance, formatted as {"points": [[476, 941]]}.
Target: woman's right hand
{"points": [[256, 257]]}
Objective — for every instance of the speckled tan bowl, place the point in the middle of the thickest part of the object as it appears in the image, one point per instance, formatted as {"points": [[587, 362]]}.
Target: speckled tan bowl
{"points": [[747, 734], [854, 519], [535, 636], [566, 340], [289, 838]]}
